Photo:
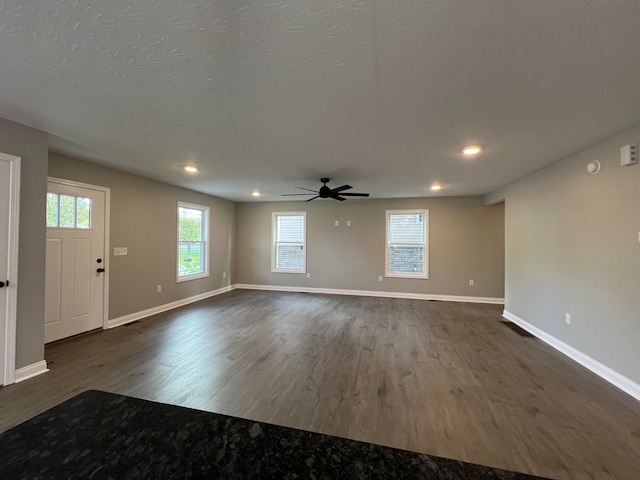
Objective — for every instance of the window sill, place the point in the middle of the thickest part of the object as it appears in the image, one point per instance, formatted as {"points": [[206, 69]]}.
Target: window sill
{"points": [[187, 278], [407, 275]]}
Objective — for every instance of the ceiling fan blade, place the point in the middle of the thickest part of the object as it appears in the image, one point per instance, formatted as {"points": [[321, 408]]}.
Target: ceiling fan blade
{"points": [[340, 189], [326, 192]]}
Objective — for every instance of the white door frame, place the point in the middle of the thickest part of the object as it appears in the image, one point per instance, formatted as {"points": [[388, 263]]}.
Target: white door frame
{"points": [[107, 210], [8, 350]]}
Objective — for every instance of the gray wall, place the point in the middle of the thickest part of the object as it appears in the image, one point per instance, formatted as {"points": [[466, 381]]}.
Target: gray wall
{"points": [[572, 246], [31, 146], [143, 219], [466, 242]]}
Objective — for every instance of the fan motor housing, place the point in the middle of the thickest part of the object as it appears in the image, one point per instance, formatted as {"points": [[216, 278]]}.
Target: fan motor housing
{"points": [[324, 191]]}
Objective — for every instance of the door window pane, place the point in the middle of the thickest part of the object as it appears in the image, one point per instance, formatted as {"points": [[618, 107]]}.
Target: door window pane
{"points": [[67, 211], [83, 212], [52, 210]]}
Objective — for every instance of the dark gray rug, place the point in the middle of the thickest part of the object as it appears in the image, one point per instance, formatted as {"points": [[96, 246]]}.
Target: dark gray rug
{"points": [[98, 435]]}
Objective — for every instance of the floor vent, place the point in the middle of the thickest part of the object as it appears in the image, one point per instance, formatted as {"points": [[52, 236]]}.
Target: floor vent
{"points": [[516, 328]]}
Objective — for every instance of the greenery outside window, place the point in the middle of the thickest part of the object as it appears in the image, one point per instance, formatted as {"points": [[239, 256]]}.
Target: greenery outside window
{"points": [[68, 211], [193, 239]]}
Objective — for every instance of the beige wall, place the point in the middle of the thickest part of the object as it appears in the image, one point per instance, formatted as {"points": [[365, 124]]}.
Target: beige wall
{"points": [[31, 146], [143, 219], [466, 242], [572, 246]]}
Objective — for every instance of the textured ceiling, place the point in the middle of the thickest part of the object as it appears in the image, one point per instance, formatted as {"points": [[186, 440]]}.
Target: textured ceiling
{"points": [[271, 94]]}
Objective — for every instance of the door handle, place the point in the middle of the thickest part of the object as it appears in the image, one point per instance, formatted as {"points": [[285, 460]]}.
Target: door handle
{"points": [[100, 270], [2, 284]]}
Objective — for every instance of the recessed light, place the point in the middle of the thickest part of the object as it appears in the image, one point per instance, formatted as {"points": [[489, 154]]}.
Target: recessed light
{"points": [[436, 187], [471, 150], [255, 194], [190, 169]]}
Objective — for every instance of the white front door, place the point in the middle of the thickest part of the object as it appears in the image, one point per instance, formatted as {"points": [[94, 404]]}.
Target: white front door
{"points": [[74, 285], [9, 210]]}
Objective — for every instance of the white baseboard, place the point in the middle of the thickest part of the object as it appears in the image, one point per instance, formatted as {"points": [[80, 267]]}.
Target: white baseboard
{"points": [[372, 293], [132, 317], [611, 376], [30, 371]]}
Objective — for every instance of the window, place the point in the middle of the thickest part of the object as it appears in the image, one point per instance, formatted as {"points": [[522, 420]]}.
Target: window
{"points": [[193, 236], [406, 243], [68, 211], [288, 253]]}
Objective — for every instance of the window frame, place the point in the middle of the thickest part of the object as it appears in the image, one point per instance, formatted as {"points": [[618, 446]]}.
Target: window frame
{"points": [[388, 273], [205, 241], [274, 242]]}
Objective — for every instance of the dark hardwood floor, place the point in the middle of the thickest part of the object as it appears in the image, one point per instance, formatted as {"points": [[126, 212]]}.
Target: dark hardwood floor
{"points": [[441, 378]]}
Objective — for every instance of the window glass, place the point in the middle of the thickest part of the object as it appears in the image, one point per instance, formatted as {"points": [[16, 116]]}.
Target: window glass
{"points": [[289, 253], [67, 211], [52, 210], [83, 212], [407, 243], [192, 241]]}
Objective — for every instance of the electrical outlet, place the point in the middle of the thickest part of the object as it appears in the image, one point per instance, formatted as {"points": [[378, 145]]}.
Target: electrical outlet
{"points": [[159, 288], [567, 318], [337, 223], [628, 155], [224, 274], [471, 283], [348, 223], [380, 278], [308, 275]]}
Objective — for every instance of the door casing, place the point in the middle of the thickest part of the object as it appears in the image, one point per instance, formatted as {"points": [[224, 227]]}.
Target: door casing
{"points": [[9, 318]]}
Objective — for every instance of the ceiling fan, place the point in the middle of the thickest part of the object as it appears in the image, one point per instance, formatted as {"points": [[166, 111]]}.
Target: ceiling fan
{"points": [[327, 192]]}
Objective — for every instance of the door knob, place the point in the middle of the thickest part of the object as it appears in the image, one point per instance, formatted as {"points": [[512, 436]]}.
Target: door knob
{"points": [[2, 284], [100, 270]]}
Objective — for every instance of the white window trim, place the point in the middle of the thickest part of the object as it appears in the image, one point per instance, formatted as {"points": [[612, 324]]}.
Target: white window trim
{"points": [[274, 215], [421, 276], [205, 231]]}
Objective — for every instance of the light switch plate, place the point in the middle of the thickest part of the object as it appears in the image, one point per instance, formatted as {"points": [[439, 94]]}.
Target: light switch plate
{"points": [[118, 251]]}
